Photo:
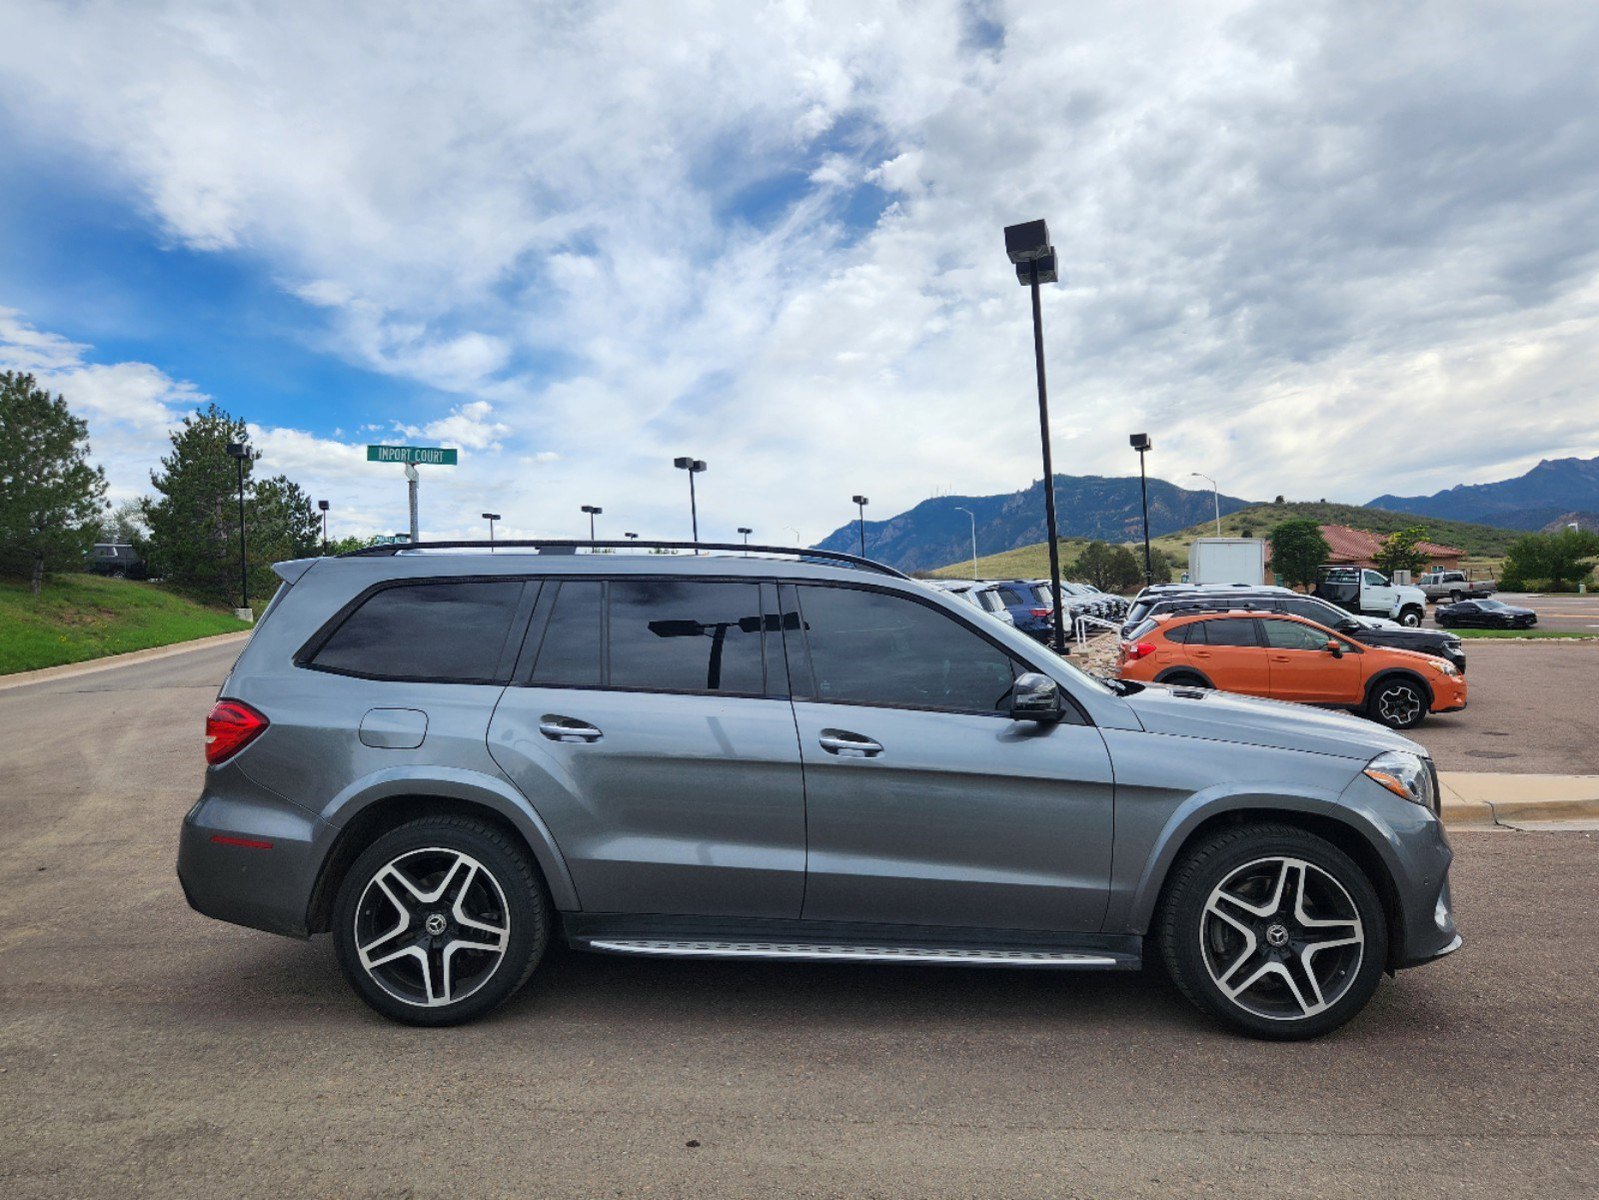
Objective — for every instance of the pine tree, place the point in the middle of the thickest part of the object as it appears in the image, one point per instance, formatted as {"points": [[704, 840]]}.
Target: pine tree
{"points": [[194, 524], [51, 498]]}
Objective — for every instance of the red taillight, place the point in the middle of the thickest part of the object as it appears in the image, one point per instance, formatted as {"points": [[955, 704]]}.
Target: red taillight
{"points": [[230, 726], [1041, 612], [1140, 650]]}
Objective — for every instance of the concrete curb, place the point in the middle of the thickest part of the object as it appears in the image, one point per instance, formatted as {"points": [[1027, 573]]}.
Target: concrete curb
{"points": [[89, 666], [1487, 799]]}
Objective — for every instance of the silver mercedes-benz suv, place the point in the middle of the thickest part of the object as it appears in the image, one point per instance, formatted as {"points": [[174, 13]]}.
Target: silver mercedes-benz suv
{"points": [[445, 758]]}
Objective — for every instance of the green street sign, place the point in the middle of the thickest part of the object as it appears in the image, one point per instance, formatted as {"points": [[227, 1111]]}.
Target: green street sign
{"points": [[431, 456]]}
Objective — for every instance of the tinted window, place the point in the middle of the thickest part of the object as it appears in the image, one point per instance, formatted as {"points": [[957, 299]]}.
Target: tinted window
{"points": [[686, 636], [570, 653], [454, 632], [1230, 631], [1322, 614], [1290, 635], [1012, 596], [875, 648]]}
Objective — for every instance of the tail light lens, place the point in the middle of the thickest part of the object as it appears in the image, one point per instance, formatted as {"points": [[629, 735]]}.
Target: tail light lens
{"points": [[1133, 651], [230, 726], [1041, 612]]}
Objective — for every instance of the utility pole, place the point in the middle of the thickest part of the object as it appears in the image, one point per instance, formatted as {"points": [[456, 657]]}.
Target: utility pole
{"points": [[411, 478]]}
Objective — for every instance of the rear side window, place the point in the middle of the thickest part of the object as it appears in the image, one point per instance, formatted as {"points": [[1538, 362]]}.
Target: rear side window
{"points": [[1226, 631], [881, 649], [676, 635], [452, 632], [569, 656], [1291, 635]]}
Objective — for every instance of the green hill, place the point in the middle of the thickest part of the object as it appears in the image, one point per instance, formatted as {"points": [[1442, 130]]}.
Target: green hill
{"points": [[78, 617], [1484, 545]]}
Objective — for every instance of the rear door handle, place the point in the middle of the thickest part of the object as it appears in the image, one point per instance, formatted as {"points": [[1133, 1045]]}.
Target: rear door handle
{"points": [[568, 729], [849, 745]]}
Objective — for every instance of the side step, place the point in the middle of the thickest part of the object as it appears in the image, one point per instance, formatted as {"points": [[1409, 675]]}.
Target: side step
{"points": [[820, 952]]}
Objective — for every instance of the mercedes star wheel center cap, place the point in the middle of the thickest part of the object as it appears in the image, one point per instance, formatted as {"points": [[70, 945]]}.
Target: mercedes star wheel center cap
{"points": [[1277, 935], [436, 924]]}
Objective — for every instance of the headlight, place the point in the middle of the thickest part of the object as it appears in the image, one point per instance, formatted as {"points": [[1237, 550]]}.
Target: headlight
{"points": [[1405, 774], [1446, 668]]}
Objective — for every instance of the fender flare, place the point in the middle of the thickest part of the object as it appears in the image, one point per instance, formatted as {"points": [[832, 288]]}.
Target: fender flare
{"points": [[1389, 673], [474, 787], [1202, 806], [1184, 670]]}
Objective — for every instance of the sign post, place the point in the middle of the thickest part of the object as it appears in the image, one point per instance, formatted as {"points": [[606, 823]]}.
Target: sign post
{"points": [[412, 456]]}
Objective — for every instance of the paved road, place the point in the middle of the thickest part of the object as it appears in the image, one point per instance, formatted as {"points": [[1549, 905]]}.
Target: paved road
{"points": [[146, 1050]]}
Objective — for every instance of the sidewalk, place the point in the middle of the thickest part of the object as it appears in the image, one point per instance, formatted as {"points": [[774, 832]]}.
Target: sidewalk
{"points": [[1483, 799]]}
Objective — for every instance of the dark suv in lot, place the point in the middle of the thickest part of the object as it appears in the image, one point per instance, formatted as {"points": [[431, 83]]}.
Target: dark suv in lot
{"points": [[446, 758]]}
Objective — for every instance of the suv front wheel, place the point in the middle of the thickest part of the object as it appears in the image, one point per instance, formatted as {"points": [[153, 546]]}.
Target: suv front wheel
{"points": [[439, 920], [1274, 930]]}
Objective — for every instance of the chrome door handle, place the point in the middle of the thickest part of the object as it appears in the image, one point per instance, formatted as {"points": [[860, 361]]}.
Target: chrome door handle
{"points": [[849, 745], [566, 729]]}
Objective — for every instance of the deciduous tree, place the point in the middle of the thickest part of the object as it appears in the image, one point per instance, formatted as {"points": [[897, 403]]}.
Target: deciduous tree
{"points": [[1297, 549]]}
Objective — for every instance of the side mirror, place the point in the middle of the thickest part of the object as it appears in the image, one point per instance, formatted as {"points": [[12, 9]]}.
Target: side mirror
{"points": [[1035, 697], [1334, 649]]}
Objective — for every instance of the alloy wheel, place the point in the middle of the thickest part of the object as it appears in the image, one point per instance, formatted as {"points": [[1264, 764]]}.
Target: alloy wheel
{"points": [[1281, 938], [1399, 705], [432, 927]]}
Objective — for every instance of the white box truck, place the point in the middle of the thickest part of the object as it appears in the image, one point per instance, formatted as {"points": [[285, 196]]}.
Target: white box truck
{"points": [[1228, 560]]}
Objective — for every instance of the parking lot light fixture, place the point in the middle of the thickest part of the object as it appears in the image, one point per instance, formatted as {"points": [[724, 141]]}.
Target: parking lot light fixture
{"points": [[860, 504], [632, 537], [1141, 443], [239, 452], [746, 531], [1215, 495], [693, 466], [593, 512], [1028, 247], [491, 518], [973, 516], [323, 506]]}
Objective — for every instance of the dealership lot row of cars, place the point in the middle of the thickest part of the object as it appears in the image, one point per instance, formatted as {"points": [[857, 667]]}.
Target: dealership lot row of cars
{"points": [[1029, 605]]}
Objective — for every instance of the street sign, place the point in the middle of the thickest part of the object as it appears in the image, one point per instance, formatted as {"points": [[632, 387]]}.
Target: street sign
{"points": [[428, 456]]}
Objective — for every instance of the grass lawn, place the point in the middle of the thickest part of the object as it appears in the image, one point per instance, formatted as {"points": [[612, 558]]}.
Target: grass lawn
{"points": [[1522, 633], [78, 617]]}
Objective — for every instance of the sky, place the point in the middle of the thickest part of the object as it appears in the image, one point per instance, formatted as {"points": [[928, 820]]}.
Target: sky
{"points": [[1324, 250]]}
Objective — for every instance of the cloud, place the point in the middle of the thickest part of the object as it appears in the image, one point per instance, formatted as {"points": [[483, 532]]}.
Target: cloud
{"points": [[1321, 248]]}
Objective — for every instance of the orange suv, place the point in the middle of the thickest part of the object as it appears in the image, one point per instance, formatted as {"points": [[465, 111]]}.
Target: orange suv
{"points": [[1289, 658]]}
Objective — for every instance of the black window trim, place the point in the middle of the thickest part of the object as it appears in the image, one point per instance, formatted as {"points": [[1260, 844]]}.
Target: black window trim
{"points": [[533, 642], [1072, 713], [304, 658]]}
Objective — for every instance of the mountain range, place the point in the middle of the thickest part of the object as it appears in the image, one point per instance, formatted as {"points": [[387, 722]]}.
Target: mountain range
{"points": [[1557, 489], [936, 533]]}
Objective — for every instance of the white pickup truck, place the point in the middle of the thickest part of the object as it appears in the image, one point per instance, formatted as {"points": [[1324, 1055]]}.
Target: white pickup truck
{"points": [[1363, 590], [1454, 586]]}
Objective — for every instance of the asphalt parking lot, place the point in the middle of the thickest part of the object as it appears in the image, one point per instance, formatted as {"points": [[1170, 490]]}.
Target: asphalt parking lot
{"points": [[145, 1050], [1567, 613]]}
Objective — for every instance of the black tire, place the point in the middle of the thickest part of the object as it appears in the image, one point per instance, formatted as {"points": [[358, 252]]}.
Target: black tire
{"points": [[1455, 597], [1412, 618], [1186, 679], [498, 886], [1398, 702], [1194, 946]]}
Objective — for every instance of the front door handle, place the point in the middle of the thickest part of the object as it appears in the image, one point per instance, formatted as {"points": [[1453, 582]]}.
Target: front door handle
{"points": [[567, 729], [849, 745]]}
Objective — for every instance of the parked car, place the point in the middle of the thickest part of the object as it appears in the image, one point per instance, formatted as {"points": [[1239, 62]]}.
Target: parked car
{"points": [[1033, 615], [118, 560], [1368, 631], [1368, 592], [1485, 614], [982, 596], [1285, 657], [1454, 586], [446, 759]]}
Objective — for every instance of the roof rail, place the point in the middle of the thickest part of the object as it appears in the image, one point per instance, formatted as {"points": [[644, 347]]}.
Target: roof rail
{"points": [[571, 546]]}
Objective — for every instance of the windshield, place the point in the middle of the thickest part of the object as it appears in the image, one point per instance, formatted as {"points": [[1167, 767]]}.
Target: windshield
{"points": [[1492, 604]]}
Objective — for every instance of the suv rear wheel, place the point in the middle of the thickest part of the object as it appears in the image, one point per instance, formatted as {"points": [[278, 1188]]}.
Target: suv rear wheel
{"points": [[1274, 930], [439, 920]]}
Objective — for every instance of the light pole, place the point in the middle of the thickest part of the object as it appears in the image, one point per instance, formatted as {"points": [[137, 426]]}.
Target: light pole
{"points": [[746, 531], [973, 516], [491, 518], [860, 504], [240, 453], [693, 466], [1141, 443], [592, 512], [323, 505], [632, 537], [1215, 494], [795, 532], [1027, 246]]}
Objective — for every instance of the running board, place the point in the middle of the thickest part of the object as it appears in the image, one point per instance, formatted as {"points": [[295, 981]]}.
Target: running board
{"points": [[819, 952]]}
